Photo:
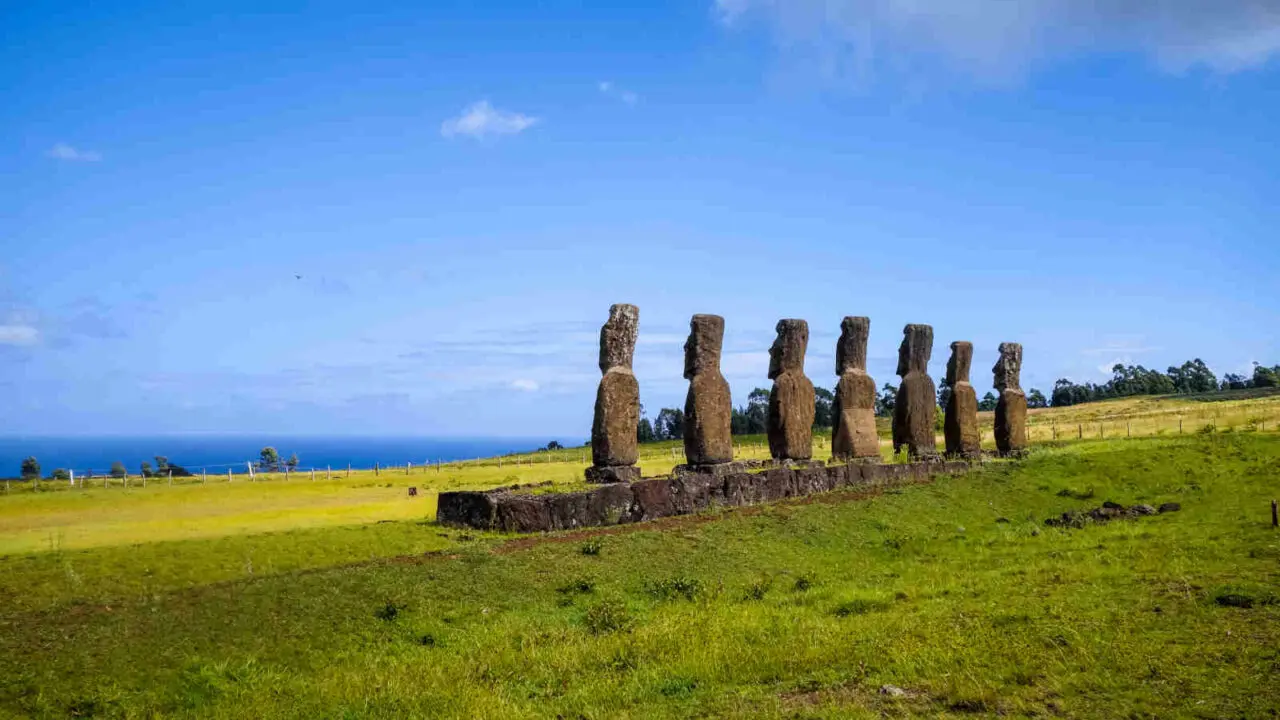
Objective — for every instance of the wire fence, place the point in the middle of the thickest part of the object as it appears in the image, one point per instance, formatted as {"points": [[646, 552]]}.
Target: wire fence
{"points": [[1040, 429]]}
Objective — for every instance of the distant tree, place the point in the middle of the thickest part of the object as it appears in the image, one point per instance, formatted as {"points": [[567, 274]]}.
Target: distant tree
{"points": [[1036, 399], [823, 408], [753, 418], [1264, 376], [987, 403], [293, 462], [554, 445], [1232, 381], [146, 470], [162, 464], [944, 392], [268, 459], [1192, 376], [30, 469], [117, 469], [886, 400], [61, 474], [669, 425], [644, 429]]}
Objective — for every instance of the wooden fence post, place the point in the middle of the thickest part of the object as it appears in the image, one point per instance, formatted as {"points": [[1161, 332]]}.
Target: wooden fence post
{"points": [[376, 468], [228, 474], [408, 466], [313, 474], [328, 472]]}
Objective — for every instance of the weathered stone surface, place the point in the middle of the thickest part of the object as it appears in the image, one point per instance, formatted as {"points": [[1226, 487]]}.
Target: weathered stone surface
{"points": [[791, 402], [707, 409], [517, 510], [915, 410], [652, 499], [617, 412], [692, 493], [854, 432], [613, 474], [467, 509], [960, 426], [1011, 408], [610, 505], [523, 513]]}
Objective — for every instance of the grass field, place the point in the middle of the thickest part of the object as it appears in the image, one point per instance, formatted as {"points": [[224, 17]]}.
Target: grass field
{"points": [[343, 599]]}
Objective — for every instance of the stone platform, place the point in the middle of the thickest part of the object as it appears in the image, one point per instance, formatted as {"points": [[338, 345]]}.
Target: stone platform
{"points": [[517, 510]]}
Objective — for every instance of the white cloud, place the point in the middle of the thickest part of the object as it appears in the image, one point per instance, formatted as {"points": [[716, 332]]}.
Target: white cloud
{"points": [[63, 151], [1003, 38], [525, 385], [18, 334], [482, 119], [608, 88]]}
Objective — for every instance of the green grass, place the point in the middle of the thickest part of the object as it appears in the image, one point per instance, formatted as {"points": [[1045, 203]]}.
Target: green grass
{"points": [[954, 591]]}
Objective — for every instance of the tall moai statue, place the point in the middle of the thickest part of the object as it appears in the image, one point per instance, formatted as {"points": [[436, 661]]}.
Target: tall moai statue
{"points": [[613, 431], [854, 434], [1011, 408], [708, 407], [915, 409], [960, 427], [791, 402]]}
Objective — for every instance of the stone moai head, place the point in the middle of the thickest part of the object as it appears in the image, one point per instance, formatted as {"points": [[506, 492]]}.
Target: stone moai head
{"points": [[1008, 369], [618, 337], [958, 365], [851, 349], [916, 349], [702, 349], [787, 352]]}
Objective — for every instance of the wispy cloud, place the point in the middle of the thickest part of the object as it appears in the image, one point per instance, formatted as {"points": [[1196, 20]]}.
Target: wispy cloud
{"points": [[525, 385], [481, 120], [997, 39], [19, 335], [63, 151], [607, 87]]}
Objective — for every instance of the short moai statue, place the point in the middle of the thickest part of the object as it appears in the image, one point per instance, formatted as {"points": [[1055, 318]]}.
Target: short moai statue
{"points": [[854, 433], [915, 410], [613, 431], [708, 436], [960, 427], [791, 402], [1011, 408]]}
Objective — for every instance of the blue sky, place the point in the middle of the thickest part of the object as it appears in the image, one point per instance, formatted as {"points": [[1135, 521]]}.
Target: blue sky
{"points": [[464, 189]]}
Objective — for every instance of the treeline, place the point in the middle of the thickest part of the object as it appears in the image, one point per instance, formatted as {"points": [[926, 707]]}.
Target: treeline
{"points": [[31, 470], [1192, 376]]}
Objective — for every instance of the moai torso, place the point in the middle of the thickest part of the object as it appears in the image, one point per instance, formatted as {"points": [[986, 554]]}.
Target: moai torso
{"points": [[617, 415], [960, 426], [1011, 408], [854, 432], [915, 410], [708, 407], [791, 402]]}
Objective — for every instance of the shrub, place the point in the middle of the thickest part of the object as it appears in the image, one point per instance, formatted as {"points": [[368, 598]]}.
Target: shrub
{"points": [[591, 547], [804, 583], [606, 617], [388, 612], [671, 588], [860, 606]]}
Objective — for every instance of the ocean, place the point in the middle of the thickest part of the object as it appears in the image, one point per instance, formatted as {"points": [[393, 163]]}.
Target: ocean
{"points": [[217, 453]]}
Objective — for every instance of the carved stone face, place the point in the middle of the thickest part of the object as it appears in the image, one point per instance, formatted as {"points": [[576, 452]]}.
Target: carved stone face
{"points": [[702, 349], [851, 349], [1008, 369], [915, 350], [959, 362], [618, 337], [787, 352]]}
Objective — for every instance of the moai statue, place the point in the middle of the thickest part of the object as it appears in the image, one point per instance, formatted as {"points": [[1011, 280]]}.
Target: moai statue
{"points": [[1011, 408], [613, 432], [708, 407], [915, 410], [791, 402], [960, 426], [854, 434]]}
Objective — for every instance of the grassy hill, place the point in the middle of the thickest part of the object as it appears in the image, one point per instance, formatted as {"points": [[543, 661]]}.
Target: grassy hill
{"points": [[343, 599]]}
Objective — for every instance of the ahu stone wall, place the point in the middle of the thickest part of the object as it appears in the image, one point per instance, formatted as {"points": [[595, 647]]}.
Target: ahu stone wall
{"points": [[521, 511]]}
